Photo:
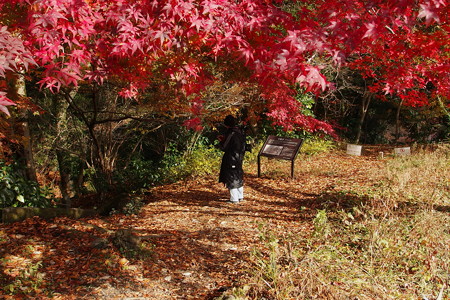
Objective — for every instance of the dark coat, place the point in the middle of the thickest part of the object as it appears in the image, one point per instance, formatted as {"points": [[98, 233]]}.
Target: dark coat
{"points": [[231, 172]]}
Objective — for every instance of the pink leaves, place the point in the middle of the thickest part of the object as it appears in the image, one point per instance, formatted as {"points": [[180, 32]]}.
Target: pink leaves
{"points": [[281, 60], [13, 54], [429, 10], [59, 32], [13, 57], [400, 53], [371, 30], [312, 79], [286, 111], [56, 76], [246, 53], [4, 102], [130, 92]]}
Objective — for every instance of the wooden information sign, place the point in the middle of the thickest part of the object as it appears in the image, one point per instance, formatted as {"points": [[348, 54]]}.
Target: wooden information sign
{"points": [[280, 148]]}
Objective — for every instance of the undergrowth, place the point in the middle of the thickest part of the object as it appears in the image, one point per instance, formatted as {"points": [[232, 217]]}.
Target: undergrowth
{"points": [[391, 242], [314, 145], [17, 191], [200, 161]]}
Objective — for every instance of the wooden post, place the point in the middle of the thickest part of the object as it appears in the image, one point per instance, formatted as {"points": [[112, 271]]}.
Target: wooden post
{"points": [[292, 169], [259, 165]]}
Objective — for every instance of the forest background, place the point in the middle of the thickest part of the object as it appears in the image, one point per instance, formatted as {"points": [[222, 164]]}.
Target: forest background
{"points": [[111, 99]]}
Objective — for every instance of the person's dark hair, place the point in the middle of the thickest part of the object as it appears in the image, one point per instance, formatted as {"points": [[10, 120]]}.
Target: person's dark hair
{"points": [[230, 121]]}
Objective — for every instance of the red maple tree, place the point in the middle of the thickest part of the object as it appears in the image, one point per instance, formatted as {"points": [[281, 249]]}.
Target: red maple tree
{"points": [[403, 44]]}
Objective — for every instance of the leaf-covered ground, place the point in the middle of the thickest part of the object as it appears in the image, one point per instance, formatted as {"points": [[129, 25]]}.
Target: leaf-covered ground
{"points": [[186, 243]]}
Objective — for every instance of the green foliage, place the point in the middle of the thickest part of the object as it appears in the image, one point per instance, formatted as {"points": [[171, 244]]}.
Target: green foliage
{"points": [[17, 191], [139, 174], [133, 207], [268, 129], [427, 124], [202, 160], [316, 145], [307, 101], [251, 158], [185, 157]]}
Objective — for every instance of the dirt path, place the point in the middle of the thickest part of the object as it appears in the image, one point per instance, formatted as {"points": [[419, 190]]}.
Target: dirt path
{"points": [[201, 245], [206, 243]]}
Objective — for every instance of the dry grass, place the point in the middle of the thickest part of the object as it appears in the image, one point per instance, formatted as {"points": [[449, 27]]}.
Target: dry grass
{"points": [[390, 242]]}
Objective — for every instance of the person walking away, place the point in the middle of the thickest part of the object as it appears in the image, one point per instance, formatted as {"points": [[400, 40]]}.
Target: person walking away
{"points": [[231, 172]]}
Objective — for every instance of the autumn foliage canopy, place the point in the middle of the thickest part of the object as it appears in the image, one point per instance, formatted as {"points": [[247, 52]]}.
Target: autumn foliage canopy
{"points": [[282, 45]]}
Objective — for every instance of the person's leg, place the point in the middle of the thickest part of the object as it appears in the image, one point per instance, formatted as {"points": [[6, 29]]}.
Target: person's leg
{"points": [[234, 195], [241, 193]]}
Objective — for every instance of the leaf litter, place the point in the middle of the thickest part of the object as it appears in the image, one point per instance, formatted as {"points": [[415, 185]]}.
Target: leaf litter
{"points": [[186, 243]]}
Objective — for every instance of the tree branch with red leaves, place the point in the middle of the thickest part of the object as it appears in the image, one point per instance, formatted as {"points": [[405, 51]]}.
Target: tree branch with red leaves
{"points": [[403, 44]]}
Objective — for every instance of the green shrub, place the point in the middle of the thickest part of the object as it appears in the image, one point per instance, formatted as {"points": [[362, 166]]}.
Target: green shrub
{"points": [[17, 191], [252, 157], [315, 145], [139, 174], [202, 160]]}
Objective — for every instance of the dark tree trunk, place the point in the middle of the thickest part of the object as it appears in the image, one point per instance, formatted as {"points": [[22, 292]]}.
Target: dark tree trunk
{"points": [[397, 121], [366, 99]]}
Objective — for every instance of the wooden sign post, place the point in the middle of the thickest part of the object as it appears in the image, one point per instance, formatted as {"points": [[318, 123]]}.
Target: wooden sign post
{"points": [[280, 148]]}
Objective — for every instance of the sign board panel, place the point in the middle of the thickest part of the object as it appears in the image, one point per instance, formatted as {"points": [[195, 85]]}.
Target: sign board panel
{"points": [[354, 149], [280, 148], [402, 151]]}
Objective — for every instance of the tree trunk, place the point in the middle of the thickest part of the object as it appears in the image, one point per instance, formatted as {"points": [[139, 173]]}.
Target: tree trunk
{"points": [[28, 151], [17, 91], [366, 99], [61, 145], [78, 183], [64, 182], [397, 121]]}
